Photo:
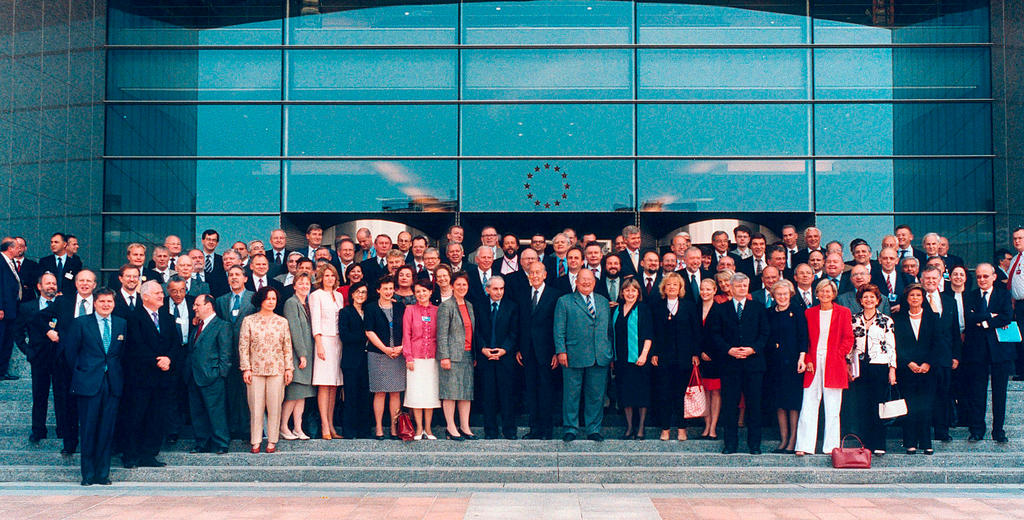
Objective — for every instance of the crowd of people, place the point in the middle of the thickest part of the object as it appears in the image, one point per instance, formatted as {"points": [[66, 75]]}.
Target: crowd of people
{"points": [[333, 342]]}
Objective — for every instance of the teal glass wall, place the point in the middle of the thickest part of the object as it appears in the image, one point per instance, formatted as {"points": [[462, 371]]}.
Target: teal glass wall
{"points": [[828, 109]]}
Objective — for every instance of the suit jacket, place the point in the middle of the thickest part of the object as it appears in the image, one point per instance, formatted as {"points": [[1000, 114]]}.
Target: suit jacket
{"points": [[9, 287], [276, 268], [627, 268], [374, 320], [209, 353], [586, 340], [676, 338], [351, 332], [195, 287], [564, 286], [451, 332], [30, 328], [222, 305], [29, 275], [920, 349], [951, 347], [65, 278], [516, 284], [981, 345], [801, 256], [691, 294], [189, 316], [114, 283], [536, 341], [952, 261], [654, 294], [372, 271], [216, 278], [839, 344], [83, 349], [503, 328], [477, 293], [121, 308], [145, 343], [749, 330]]}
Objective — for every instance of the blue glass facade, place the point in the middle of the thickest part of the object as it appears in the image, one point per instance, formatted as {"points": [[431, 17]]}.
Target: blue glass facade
{"points": [[240, 116]]}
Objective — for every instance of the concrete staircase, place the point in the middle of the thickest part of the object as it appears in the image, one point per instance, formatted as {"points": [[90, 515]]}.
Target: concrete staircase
{"points": [[613, 461]]}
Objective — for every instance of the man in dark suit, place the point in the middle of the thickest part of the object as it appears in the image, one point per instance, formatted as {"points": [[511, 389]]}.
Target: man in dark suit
{"points": [[834, 270], [556, 263], [567, 282], [720, 248], [650, 276], [10, 297], [889, 278], [28, 271], [69, 307], [374, 268], [260, 278], [905, 239], [207, 370], [127, 297], [950, 260], [694, 273], [94, 346], [152, 353], [610, 281], [179, 306], [232, 308], [136, 258], [278, 254], [769, 276], [315, 240], [946, 353], [536, 352], [803, 281], [1002, 260], [479, 273], [64, 266], [740, 331], [812, 241], [517, 283], [987, 308], [36, 319], [214, 273], [498, 321]]}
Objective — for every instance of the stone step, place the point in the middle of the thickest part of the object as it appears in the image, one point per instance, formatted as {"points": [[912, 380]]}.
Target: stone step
{"points": [[723, 474]]}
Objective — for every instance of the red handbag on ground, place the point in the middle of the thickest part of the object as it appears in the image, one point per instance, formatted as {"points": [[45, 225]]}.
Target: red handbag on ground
{"points": [[851, 458], [404, 426], [695, 402]]}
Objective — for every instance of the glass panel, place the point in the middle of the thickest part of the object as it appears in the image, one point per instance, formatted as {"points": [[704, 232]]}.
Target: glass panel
{"points": [[547, 74], [371, 186], [373, 74], [952, 185], [164, 186], [547, 22], [545, 186], [121, 230], [233, 229], [193, 130], [372, 130], [904, 129], [901, 73], [723, 129], [190, 75], [153, 22], [970, 236], [926, 21], [845, 228], [547, 130], [723, 185], [836, 181], [355, 22], [853, 129], [723, 22], [723, 73]]}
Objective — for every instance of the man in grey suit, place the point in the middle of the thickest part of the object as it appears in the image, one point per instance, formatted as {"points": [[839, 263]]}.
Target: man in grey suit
{"points": [[209, 362], [232, 308], [583, 345]]}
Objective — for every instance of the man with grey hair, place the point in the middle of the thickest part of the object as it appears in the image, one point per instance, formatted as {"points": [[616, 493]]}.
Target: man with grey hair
{"points": [[454, 254], [498, 320], [739, 331], [910, 266], [680, 243], [812, 242], [479, 274], [987, 307], [291, 265], [152, 350], [184, 269], [631, 257], [556, 263]]}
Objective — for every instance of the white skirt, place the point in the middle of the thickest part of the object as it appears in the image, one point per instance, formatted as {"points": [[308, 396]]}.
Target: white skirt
{"points": [[421, 385], [327, 372]]}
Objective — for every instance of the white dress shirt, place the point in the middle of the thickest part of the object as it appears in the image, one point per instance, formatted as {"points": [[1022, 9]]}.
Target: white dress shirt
{"points": [[78, 304]]}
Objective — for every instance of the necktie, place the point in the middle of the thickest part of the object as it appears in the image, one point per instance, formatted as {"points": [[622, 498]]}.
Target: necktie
{"points": [[984, 302], [106, 335], [536, 299], [236, 302], [483, 278], [260, 284], [208, 265], [768, 300], [156, 320], [888, 282], [903, 253], [650, 284], [1013, 269], [590, 307], [561, 267], [757, 267], [177, 312], [277, 257], [789, 258], [60, 266], [131, 302], [17, 266], [199, 329], [47, 303], [494, 324], [807, 298], [82, 311], [614, 292], [419, 268], [694, 286], [171, 265], [739, 310], [594, 270]]}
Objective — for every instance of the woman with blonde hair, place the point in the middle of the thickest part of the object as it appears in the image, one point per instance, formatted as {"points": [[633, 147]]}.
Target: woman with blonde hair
{"points": [[676, 350], [324, 305]]}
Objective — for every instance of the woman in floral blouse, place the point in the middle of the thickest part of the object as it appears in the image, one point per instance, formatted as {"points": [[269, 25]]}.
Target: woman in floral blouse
{"points": [[265, 359], [873, 358]]}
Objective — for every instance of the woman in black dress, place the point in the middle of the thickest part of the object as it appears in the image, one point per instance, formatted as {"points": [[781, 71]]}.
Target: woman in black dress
{"points": [[675, 351], [633, 332], [787, 341], [916, 329], [352, 332]]}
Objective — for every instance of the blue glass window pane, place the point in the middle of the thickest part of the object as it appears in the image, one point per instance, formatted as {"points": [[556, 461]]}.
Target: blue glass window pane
{"points": [[853, 129], [193, 130], [189, 186], [371, 186], [930, 21], [904, 73], [726, 22], [870, 180], [723, 129], [153, 22], [547, 22], [723, 73], [952, 184], [121, 230], [346, 23], [372, 74], [904, 129], [192, 75], [547, 130], [385, 130], [845, 228], [723, 185], [547, 186], [970, 236], [547, 74]]}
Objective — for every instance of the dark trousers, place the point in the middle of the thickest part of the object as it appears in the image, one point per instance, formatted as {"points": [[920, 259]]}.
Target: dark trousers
{"points": [[6, 345], [43, 377], [97, 415], [942, 408], [208, 413], [356, 415], [237, 405], [670, 381], [959, 389], [65, 405], [876, 387], [498, 382], [178, 415], [855, 404], [145, 421], [748, 385], [919, 391], [978, 375], [540, 394]]}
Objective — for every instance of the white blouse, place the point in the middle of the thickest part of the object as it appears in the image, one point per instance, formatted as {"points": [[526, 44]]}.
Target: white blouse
{"points": [[323, 312]]}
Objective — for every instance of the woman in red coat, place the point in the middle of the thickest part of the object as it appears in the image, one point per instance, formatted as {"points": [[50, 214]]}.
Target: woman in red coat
{"points": [[830, 339]]}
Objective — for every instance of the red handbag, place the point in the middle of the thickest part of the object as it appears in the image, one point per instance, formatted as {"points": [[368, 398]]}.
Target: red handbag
{"points": [[404, 426], [851, 458]]}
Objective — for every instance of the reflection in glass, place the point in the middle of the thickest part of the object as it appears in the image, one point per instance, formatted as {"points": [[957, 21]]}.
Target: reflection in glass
{"points": [[547, 186], [155, 22], [723, 74], [723, 22], [903, 73], [722, 129], [548, 74], [724, 185], [547, 22], [362, 130], [870, 180], [547, 130], [184, 130], [372, 74], [970, 236], [344, 22], [194, 75], [951, 184], [371, 186], [928, 21]]}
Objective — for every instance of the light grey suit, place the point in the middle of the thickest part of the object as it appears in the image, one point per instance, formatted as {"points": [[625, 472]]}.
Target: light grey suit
{"points": [[209, 364], [587, 342], [237, 400], [456, 383], [302, 340]]}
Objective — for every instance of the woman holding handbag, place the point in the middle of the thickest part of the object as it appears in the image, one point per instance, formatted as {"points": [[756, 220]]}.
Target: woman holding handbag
{"points": [[788, 341], [830, 339], [674, 353], [874, 352], [712, 384], [916, 329], [633, 331]]}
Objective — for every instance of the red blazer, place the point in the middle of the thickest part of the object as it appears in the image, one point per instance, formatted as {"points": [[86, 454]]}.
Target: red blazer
{"points": [[840, 342]]}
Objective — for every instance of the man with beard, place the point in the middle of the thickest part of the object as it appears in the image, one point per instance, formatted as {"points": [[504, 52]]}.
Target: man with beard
{"points": [[610, 282], [510, 259]]}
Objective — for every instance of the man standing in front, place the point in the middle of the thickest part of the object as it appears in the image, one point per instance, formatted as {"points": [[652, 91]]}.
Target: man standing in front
{"points": [[986, 308], [536, 353], [583, 345], [93, 348], [232, 308], [208, 367]]}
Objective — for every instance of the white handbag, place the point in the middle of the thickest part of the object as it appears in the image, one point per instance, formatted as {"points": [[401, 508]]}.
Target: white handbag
{"points": [[895, 407]]}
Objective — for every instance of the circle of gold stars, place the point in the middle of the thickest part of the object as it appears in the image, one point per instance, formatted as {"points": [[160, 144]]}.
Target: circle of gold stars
{"points": [[528, 185]]}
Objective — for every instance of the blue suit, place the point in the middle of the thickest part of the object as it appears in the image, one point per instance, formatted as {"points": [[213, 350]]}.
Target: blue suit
{"points": [[98, 381]]}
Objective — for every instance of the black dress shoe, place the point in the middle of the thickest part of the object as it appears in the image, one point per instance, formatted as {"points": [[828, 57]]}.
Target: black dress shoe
{"points": [[200, 449], [66, 453], [1018, 378], [974, 438], [104, 482], [222, 450], [457, 438], [531, 436], [569, 437], [172, 439], [491, 436], [1000, 438], [780, 450], [728, 451], [755, 451], [596, 437], [627, 436], [152, 463], [129, 465], [86, 482], [468, 436]]}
